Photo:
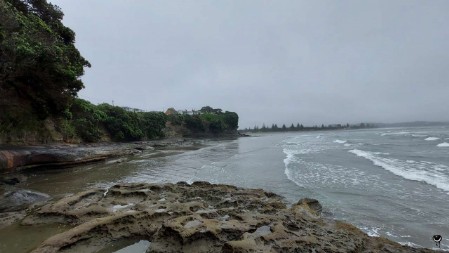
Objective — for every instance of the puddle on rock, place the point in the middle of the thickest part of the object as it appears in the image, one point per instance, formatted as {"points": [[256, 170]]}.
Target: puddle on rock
{"points": [[127, 246], [32, 236]]}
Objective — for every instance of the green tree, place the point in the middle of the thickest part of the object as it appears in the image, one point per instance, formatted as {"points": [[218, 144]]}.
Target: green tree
{"points": [[87, 120], [39, 64], [207, 109], [231, 120], [194, 123], [153, 124], [121, 124]]}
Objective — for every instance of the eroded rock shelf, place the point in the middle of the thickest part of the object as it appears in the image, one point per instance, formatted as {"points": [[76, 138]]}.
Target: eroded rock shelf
{"points": [[200, 217]]}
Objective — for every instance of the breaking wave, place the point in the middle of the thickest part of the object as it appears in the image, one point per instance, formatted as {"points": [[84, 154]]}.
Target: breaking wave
{"points": [[427, 172]]}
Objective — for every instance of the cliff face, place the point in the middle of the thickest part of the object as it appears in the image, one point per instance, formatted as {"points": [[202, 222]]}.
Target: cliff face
{"points": [[201, 217]]}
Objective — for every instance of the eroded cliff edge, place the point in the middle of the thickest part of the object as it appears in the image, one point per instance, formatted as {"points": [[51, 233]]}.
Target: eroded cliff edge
{"points": [[200, 217]]}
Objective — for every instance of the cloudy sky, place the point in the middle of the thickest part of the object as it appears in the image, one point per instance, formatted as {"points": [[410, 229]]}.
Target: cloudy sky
{"points": [[310, 62]]}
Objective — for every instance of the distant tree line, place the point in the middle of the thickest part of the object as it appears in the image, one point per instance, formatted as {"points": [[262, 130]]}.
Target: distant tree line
{"points": [[301, 127]]}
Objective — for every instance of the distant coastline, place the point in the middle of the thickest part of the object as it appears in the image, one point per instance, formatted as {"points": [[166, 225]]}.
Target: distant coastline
{"points": [[347, 126]]}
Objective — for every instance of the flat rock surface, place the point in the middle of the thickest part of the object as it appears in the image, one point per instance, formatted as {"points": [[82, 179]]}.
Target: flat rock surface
{"points": [[13, 157], [200, 217]]}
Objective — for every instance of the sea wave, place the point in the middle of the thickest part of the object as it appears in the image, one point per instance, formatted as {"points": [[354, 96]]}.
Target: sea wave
{"points": [[290, 155], [443, 145], [395, 133], [287, 161], [419, 135], [371, 231], [340, 141], [406, 133], [427, 172], [431, 138]]}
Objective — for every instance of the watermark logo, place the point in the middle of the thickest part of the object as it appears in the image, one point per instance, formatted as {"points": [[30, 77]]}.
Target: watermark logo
{"points": [[437, 239]]}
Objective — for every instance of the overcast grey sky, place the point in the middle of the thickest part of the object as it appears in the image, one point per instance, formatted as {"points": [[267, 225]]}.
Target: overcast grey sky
{"points": [[310, 62]]}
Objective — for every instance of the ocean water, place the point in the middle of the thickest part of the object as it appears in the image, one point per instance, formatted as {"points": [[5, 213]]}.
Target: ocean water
{"points": [[388, 182]]}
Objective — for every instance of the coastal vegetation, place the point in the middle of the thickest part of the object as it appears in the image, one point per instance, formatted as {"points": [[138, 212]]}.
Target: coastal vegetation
{"points": [[40, 71], [40, 65], [91, 122], [206, 120]]}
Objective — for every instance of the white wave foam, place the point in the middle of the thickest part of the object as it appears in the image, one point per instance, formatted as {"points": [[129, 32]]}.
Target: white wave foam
{"points": [[443, 145], [410, 244], [371, 231], [340, 141], [395, 133], [431, 138], [347, 145], [287, 161], [390, 234], [424, 172], [381, 153], [290, 155]]}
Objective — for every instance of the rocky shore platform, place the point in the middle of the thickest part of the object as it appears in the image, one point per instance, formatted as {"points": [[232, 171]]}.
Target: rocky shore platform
{"points": [[63, 155], [197, 217]]}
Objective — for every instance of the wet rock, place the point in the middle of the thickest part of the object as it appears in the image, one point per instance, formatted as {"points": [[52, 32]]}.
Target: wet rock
{"points": [[200, 217], [60, 156], [16, 157], [11, 181], [144, 147], [307, 206], [20, 199], [8, 218]]}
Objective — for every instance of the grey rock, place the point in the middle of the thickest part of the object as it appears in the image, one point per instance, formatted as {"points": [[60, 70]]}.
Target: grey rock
{"points": [[20, 199]]}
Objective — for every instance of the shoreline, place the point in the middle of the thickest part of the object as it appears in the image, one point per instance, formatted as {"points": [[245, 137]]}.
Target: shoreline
{"points": [[60, 155]]}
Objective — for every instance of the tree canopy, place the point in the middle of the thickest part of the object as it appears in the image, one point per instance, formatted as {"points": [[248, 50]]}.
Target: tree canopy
{"points": [[209, 120], [39, 64]]}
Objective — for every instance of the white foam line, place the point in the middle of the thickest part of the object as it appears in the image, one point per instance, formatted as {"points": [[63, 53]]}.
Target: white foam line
{"points": [[434, 178], [395, 133], [290, 158]]}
